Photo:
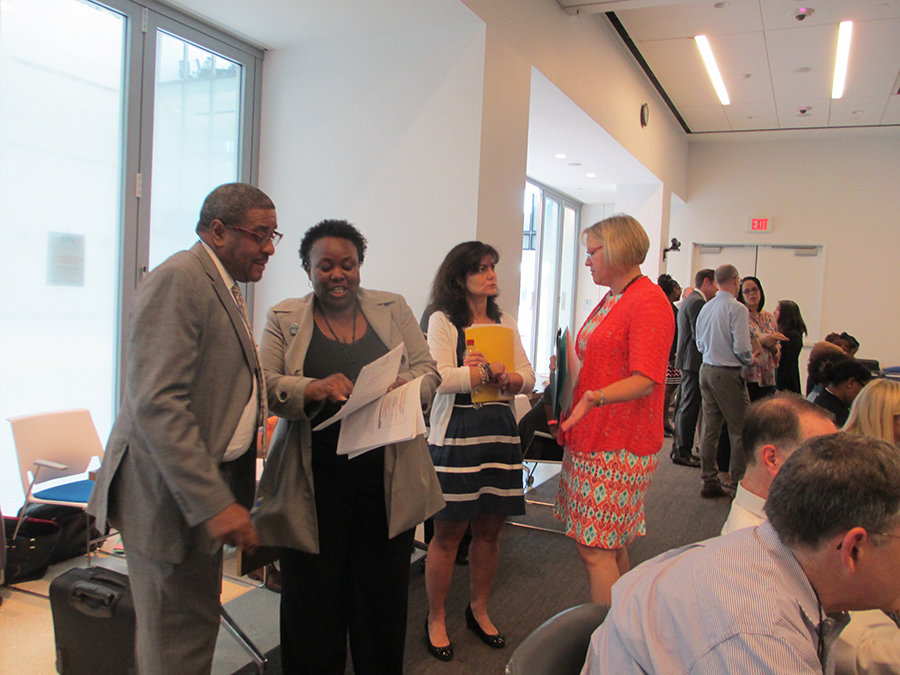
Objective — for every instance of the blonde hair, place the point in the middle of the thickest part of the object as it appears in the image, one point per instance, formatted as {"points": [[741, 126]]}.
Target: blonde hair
{"points": [[874, 410], [624, 242]]}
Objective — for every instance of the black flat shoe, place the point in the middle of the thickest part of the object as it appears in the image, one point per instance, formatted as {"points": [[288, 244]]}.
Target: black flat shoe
{"points": [[440, 653], [690, 461], [496, 641]]}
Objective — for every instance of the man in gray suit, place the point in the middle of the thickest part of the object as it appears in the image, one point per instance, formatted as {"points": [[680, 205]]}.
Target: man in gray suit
{"points": [[688, 360], [178, 477]]}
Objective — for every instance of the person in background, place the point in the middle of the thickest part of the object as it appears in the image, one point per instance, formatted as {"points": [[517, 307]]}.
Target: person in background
{"points": [[344, 526], [179, 472], [673, 376], [821, 356], [772, 598], [688, 360], [773, 429], [870, 645], [790, 324], [475, 447], [760, 375], [842, 381], [613, 434]]}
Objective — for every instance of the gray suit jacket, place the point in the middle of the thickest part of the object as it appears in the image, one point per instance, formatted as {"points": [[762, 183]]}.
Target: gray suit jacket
{"points": [[688, 357], [286, 506], [190, 375]]}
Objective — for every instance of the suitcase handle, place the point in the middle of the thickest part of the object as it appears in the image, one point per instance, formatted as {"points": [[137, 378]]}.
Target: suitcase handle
{"points": [[93, 599]]}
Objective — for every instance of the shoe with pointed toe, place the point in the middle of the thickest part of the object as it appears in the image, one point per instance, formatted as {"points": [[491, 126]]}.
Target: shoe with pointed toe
{"points": [[496, 641], [440, 653]]}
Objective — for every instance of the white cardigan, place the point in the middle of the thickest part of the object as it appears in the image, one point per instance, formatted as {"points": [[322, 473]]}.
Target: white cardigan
{"points": [[455, 379]]}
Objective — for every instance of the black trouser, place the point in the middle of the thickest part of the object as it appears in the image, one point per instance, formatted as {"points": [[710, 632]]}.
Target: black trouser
{"points": [[359, 583], [689, 402]]}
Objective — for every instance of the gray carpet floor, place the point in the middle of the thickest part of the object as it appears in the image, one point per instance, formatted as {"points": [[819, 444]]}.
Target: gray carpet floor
{"points": [[540, 574]]}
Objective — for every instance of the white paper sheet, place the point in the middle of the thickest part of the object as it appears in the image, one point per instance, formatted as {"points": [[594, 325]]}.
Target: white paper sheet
{"points": [[374, 380], [395, 417]]}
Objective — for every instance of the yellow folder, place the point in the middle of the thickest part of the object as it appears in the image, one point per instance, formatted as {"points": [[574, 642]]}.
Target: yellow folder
{"points": [[496, 343]]}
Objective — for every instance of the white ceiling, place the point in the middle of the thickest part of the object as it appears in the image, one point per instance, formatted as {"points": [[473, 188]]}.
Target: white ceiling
{"points": [[772, 64]]}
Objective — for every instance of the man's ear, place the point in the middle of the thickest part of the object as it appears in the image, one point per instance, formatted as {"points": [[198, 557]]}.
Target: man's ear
{"points": [[851, 548], [771, 459], [217, 231]]}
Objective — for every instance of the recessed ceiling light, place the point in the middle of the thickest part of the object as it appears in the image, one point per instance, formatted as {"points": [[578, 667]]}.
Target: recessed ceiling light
{"points": [[711, 68], [746, 76], [560, 155], [751, 117], [802, 69], [574, 163], [857, 112], [842, 58], [591, 175], [722, 5]]}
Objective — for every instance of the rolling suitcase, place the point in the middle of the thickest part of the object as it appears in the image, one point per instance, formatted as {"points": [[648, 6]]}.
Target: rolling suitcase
{"points": [[93, 622]]}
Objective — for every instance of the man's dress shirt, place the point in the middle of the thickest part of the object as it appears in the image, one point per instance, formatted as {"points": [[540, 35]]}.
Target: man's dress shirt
{"points": [[735, 604], [747, 510], [723, 332]]}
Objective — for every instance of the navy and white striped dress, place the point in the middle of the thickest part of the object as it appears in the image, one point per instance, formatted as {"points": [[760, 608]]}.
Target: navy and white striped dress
{"points": [[479, 462]]}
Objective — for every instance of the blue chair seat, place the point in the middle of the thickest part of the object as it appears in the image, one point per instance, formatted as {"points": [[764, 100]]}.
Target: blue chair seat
{"points": [[78, 491]]}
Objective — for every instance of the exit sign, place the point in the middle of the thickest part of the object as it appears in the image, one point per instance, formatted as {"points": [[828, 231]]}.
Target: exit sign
{"points": [[760, 224]]}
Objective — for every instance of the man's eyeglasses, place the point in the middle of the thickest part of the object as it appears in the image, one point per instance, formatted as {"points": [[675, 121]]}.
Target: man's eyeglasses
{"points": [[262, 239]]}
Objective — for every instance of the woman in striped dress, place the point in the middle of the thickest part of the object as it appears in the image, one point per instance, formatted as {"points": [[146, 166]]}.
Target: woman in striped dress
{"points": [[475, 447]]}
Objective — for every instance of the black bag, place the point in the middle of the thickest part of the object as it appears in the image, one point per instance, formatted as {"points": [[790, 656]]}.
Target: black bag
{"points": [[93, 622], [73, 524], [28, 555]]}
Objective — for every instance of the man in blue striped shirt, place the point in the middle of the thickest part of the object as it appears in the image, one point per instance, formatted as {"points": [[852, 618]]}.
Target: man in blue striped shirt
{"points": [[774, 598]]}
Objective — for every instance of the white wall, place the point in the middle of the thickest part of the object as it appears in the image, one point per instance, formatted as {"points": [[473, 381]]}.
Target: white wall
{"points": [[838, 192], [384, 131]]}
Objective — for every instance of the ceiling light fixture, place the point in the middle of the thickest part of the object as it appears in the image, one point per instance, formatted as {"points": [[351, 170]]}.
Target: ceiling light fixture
{"points": [[590, 175], [560, 155], [711, 68], [842, 58]]}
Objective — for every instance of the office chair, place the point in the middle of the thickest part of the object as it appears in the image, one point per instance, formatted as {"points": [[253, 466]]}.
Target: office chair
{"points": [[558, 646], [53, 446]]}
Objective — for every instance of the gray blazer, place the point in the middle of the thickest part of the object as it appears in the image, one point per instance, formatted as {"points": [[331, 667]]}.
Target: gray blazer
{"points": [[190, 375], [688, 357], [286, 508]]}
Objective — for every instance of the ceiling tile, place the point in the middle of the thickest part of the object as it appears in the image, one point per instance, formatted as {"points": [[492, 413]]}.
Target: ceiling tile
{"points": [[706, 118], [892, 111], [678, 66], [790, 118], [655, 23], [811, 47], [736, 17], [739, 55], [747, 116], [874, 58], [859, 111]]}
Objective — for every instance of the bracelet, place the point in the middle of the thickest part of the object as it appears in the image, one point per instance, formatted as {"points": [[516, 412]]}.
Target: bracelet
{"points": [[490, 373], [484, 373], [602, 397]]}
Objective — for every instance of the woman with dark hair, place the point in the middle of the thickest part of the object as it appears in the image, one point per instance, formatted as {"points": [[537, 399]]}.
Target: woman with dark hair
{"points": [[613, 434], [790, 323], [475, 446], [344, 526], [843, 379], [760, 377], [673, 376]]}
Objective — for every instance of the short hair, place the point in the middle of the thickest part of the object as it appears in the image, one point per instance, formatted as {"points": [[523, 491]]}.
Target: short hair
{"points": [[762, 293], [667, 284], [703, 275], [837, 340], [625, 243], [339, 229], [843, 370], [833, 483], [725, 273], [775, 420], [790, 318], [229, 203], [448, 291], [874, 410]]}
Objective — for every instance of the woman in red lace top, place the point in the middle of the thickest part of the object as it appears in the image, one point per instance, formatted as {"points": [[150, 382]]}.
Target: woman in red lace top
{"points": [[613, 434]]}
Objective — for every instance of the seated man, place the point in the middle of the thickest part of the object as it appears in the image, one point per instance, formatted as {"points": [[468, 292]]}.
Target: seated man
{"points": [[773, 429], [769, 599]]}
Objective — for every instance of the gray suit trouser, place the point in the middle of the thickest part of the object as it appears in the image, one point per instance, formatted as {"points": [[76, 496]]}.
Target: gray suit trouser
{"points": [[689, 402], [725, 399], [177, 609]]}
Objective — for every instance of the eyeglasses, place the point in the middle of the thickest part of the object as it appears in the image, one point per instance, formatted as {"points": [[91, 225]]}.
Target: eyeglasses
{"points": [[591, 251], [885, 534], [262, 239]]}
